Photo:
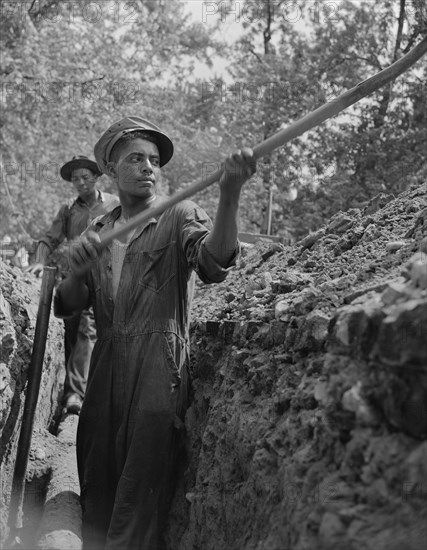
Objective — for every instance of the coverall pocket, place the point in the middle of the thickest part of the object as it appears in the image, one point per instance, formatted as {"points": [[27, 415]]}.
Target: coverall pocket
{"points": [[174, 348], [157, 269]]}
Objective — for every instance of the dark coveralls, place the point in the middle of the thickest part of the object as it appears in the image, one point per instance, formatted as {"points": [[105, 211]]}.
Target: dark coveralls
{"points": [[138, 381], [71, 220]]}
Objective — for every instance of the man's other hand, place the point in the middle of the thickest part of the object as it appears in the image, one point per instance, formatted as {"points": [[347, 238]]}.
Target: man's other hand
{"points": [[35, 269]]}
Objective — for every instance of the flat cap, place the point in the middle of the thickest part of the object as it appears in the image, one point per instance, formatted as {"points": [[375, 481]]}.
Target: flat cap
{"points": [[79, 161], [125, 126]]}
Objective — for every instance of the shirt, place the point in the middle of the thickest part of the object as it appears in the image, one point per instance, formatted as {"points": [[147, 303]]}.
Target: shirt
{"points": [[74, 217], [118, 251]]}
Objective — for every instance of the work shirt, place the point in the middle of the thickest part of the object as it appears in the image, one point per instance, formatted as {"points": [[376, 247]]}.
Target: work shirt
{"points": [[74, 217], [136, 392]]}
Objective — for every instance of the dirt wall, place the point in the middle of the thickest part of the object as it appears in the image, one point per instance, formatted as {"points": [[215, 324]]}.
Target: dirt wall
{"points": [[18, 311], [309, 421]]}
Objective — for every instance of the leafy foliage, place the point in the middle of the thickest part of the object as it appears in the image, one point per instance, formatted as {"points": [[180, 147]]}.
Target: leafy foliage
{"points": [[285, 68], [66, 77], [68, 70]]}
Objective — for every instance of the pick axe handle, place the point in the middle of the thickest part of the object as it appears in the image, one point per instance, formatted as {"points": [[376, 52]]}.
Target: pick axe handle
{"points": [[307, 122]]}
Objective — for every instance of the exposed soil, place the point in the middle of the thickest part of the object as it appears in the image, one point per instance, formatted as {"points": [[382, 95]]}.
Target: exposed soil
{"points": [[309, 418]]}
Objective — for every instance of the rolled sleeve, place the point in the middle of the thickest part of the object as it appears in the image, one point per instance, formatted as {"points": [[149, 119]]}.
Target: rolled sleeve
{"points": [[195, 228], [209, 270]]}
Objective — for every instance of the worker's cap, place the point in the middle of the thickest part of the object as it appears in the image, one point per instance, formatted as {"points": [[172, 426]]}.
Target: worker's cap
{"points": [[128, 125], [76, 162]]}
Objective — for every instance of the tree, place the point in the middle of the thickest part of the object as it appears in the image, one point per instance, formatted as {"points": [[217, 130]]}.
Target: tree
{"points": [[284, 69], [69, 70]]}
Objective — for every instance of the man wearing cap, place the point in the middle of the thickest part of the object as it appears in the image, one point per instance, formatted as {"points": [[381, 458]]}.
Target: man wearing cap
{"points": [[71, 220], [141, 288]]}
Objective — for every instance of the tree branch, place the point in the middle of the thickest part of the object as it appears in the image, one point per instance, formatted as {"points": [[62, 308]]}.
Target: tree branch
{"points": [[31, 7], [399, 30], [411, 41], [42, 9], [65, 82], [259, 58], [267, 31], [373, 62], [385, 101]]}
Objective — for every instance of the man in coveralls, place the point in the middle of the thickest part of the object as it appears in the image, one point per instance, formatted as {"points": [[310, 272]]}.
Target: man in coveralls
{"points": [[141, 288], [71, 220]]}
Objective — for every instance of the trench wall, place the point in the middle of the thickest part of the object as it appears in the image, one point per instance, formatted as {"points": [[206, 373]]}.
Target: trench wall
{"points": [[18, 312], [308, 426]]}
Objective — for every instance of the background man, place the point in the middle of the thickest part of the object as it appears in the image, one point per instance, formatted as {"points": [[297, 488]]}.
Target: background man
{"points": [[71, 220], [141, 288]]}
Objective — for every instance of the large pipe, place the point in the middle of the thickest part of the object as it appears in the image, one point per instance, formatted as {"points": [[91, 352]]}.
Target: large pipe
{"points": [[60, 526]]}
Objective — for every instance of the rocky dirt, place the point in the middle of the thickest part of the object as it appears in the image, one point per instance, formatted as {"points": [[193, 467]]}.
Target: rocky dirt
{"points": [[309, 421]]}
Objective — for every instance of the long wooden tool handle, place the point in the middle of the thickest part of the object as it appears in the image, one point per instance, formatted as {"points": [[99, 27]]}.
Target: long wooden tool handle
{"points": [[309, 121]]}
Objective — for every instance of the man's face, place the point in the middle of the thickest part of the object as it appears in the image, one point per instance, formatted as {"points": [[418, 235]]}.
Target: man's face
{"points": [[84, 182], [136, 169]]}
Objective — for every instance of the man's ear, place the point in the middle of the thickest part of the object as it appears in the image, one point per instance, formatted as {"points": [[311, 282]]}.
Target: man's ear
{"points": [[111, 169]]}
